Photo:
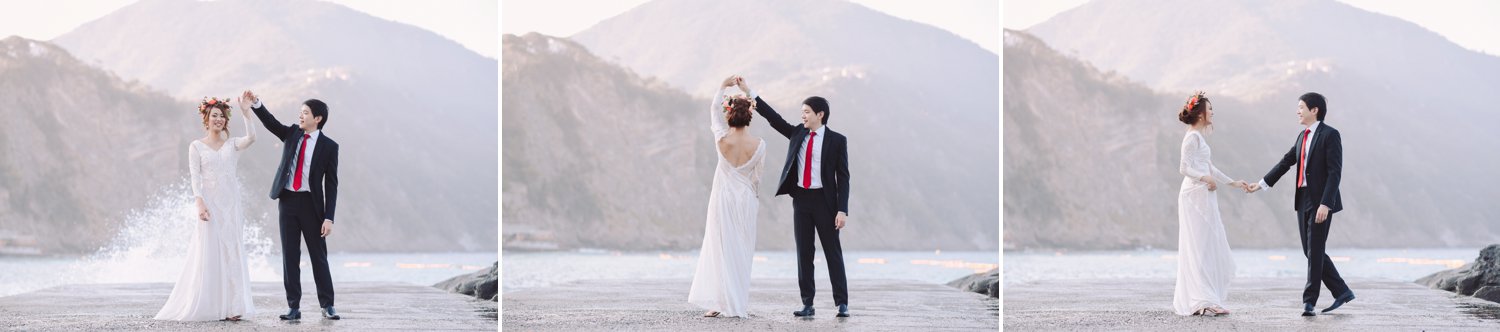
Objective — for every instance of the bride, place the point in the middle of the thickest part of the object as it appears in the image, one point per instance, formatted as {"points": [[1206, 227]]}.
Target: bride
{"points": [[1204, 264], [215, 284], [722, 281]]}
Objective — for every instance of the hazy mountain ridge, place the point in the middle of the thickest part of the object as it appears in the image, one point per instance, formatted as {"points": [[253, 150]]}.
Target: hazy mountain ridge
{"points": [[415, 113], [1084, 189], [77, 146], [919, 112]]}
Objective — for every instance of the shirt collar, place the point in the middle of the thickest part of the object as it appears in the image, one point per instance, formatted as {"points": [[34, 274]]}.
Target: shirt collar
{"points": [[1314, 125]]}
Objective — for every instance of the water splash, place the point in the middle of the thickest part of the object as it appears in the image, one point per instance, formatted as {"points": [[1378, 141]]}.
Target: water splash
{"points": [[152, 243]]}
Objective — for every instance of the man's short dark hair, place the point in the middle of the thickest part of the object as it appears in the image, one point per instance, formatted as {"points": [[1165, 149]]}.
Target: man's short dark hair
{"points": [[1315, 100], [819, 106], [318, 108]]}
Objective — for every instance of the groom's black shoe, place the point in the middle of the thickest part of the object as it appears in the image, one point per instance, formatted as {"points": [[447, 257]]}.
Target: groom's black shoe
{"points": [[292, 315], [330, 314], [1307, 310], [1349, 296], [807, 311], [843, 310]]}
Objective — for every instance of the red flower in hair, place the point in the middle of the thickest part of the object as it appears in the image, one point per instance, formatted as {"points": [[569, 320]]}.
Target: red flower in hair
{"points": [[1192, 101], [212, 103]]}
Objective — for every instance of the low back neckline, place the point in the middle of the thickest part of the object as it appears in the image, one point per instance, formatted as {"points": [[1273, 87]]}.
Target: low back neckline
{"points": [[758, 147]]}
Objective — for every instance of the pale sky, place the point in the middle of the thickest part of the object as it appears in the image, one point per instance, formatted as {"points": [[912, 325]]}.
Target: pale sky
{"points": [[975, 20], [471, 23], [1472, 24]]}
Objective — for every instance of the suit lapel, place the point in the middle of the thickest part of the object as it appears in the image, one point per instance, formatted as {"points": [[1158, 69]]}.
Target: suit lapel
{"points": [[801, 140], [320, 154]]}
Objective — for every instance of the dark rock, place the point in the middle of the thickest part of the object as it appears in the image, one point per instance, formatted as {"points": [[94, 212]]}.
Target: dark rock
{"points": [[1488, 293], [987, 283], [483, 285], [1479, 279]]}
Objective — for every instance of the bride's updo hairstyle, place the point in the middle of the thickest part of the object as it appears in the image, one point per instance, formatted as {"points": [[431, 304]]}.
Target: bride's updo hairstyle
{"points": [[738, 111], [1194, 108]]}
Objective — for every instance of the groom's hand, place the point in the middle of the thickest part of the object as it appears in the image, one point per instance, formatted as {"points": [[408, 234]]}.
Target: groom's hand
{"points": [[248, 98], [838, 221], [327, 227], [1322, 214], [1253, 187], [744, 87]]}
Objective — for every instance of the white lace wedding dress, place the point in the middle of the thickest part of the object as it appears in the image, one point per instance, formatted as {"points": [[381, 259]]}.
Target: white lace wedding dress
{"points": [[722, 280], [1204, 264], [215, 282]]}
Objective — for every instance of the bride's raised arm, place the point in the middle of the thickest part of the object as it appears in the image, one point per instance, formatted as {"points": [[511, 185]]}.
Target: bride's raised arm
{"points": [[244, 142], [717, 123]]}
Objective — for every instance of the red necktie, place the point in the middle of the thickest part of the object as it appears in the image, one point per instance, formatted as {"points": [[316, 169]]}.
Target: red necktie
{"points": [[807, 165], [297, 178], [1302, 157]]}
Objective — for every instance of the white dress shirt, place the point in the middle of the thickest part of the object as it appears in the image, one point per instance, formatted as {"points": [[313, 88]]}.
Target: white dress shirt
{"points": [[312, 143], [817, 158]]}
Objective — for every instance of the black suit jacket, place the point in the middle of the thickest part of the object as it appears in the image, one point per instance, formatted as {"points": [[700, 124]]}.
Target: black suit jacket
{"points": [[324, 175], [1325, 165], [835, 168]]}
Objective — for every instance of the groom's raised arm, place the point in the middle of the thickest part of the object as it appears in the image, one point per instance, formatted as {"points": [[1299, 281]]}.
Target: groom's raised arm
{"points": [[773, 118], [266, 119]]}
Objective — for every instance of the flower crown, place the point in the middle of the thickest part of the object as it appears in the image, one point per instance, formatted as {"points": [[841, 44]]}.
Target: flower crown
{"points": [[728, 105], [213, 103], [1192, 101]]}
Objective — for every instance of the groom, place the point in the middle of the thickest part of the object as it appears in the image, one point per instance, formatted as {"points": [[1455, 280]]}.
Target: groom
{"points": [[1318, 156], [820, 193], [307, 187]]}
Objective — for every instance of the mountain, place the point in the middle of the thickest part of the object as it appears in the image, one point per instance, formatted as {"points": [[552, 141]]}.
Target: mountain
{"points": [[598, 156], [1412, 173], [414, 113], [917, 103], [1237, 46], [80, 145]]}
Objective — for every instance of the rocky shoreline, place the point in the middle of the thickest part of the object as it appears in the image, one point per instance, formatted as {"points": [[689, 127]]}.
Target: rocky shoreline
{"points": [[987, 283], [1478, 279], [482, 285]]}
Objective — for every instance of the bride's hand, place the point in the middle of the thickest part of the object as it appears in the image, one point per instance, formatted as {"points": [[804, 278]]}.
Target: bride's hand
{"points": [[1212, 185], [740, 81], [729, 81], [202, 210]]}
